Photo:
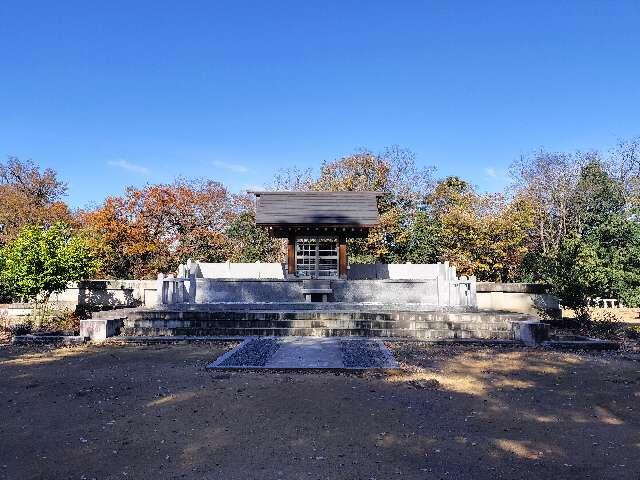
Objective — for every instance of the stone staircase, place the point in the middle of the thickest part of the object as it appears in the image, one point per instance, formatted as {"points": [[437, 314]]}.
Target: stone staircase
{"points": [[215, 320]]}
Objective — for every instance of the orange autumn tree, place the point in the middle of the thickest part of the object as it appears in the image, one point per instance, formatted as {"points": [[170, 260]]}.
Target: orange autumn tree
{"points": [[118, 240], [154, 228], [29, 196]]}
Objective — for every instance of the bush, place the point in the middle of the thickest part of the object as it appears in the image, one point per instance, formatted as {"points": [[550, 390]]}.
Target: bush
{"points": [[23, 328], [62, 321], [42, 261]]}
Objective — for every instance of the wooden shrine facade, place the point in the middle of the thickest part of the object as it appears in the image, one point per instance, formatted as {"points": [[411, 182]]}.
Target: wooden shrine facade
{"points": [[317, 226]]}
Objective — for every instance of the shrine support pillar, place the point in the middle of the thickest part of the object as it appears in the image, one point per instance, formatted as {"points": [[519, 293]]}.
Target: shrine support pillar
{"points": [[342, 258]]}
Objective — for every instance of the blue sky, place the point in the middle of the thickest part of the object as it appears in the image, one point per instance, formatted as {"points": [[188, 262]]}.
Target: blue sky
{"points": [[127, 92]]}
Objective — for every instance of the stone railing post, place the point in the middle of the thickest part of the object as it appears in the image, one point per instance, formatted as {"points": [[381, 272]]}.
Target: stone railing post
{"points": [[179, 290], [192, 287], [462, 286], [465, 291], [171, 286], [160, 296], [171, 290], [444, 291], [473, 295]]}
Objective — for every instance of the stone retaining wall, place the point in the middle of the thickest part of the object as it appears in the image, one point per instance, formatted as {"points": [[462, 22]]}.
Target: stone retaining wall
{"points": [[537, 288], [231, 290], [532, 299], [90, 295], [107, 294], [428, 291]]}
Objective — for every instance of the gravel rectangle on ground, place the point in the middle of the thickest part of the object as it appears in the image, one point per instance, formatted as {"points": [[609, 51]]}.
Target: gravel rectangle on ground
{"points": [[254, 352], [365, 353]]}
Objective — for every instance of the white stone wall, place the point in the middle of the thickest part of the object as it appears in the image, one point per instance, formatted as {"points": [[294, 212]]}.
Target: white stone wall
{"points": [[521, 302], [256, 270], [104, 293], [379, 271], [211, 290], [90, 294]]}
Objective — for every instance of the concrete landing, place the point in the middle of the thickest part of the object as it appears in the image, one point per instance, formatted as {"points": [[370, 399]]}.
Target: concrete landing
{"points": [[299, 353], [307, 352]]}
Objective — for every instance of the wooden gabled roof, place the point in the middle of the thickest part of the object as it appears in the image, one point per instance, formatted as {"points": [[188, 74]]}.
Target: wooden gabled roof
{"points": [[354, 209]]}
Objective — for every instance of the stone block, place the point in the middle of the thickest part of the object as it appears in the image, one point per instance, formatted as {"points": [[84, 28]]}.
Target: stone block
{"points": [[530, 332], [98, 330]]}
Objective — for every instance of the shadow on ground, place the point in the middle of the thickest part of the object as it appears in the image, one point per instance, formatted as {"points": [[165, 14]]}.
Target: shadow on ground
{"points": [[453, 412]]}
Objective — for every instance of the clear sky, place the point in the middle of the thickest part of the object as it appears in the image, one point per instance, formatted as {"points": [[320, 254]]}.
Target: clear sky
{"points": [[113, 93]]}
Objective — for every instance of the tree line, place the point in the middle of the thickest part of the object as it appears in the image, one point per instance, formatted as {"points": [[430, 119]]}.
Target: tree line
{"points": [[570, 220]]}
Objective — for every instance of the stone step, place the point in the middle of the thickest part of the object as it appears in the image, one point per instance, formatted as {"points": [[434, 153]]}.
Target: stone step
{"points": [[214, 320], [310, 306], [323, 332], [375, 324], [303, 315], [324, 316]]}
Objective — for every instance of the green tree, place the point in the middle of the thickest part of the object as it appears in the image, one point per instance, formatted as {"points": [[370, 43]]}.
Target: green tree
{"points": [[619, 245], [41, 261], [597, 197], [425, 239], [579, 272], [248, 243], [602, 263], [600, 254]]}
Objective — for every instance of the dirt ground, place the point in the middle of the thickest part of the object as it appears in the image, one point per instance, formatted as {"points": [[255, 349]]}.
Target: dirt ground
{"points": [[627, 315], [155, 412]]}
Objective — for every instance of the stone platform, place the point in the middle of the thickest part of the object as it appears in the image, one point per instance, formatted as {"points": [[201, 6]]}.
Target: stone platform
{"points": [[328, 320], [293, 353]]}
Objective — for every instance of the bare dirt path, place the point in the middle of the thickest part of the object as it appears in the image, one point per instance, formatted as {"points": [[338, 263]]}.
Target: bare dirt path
{"points": [[155, 412]]}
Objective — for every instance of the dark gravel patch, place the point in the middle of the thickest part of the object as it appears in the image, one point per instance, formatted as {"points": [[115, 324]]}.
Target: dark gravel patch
{"points": [[255, 353], [363, 354]]}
